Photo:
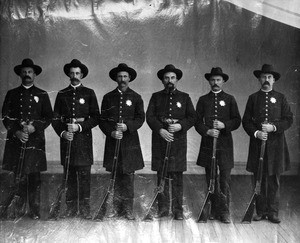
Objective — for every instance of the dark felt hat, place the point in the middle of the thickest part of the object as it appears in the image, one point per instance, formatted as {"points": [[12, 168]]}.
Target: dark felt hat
{"points": [[169, 68], [122, 67], [28, 63], [266, 68], [216, 71], [76, 63]]}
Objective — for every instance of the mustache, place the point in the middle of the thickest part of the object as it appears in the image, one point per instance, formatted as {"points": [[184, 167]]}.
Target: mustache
{"points": [[266, 83], [74, 79], [25, 77], [122, 82], [215, 85]]}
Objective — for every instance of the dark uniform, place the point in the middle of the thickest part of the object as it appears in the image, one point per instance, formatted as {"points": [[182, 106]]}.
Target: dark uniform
{"points": [[78, 104], [274, 107], [176, 105], [27, 105], [123, 107], [223, 107]]}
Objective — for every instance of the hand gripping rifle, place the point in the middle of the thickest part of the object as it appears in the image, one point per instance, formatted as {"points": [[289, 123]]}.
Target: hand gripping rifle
{"points": [[162, 182], [250, 209], [206, 207], [109, 195], [9, 205], [62, 189]]}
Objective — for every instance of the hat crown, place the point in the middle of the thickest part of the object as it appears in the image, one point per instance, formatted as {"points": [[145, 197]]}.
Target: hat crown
{"points": [[75, 63], [216, 70], [169, 67], [122, 65], [27, 62], [267, 68]]}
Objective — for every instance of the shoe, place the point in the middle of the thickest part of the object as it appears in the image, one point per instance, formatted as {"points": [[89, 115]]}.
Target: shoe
{"points": [[259, 217], [274, 219], [34, 216], [162, 214], [129, 215], [178, 216], [225, 219]]}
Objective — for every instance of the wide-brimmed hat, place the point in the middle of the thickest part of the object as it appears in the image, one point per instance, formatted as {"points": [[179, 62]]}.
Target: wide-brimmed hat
{"points": [[76, 63], [169, 68], [267, 68], [27, 63], [122, 67], [216, 71]]}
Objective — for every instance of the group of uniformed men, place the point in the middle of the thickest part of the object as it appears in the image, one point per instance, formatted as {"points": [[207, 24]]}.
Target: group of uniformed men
{"points": [[27, 112]]}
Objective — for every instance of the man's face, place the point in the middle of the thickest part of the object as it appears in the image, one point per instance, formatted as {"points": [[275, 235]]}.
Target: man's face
{"points": [[216, 82], [123, 79], [266, 80], [170, 81], [75, 75], [27, 75]]}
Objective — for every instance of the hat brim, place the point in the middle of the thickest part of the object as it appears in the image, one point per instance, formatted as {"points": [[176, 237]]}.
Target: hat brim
{"points": [[223, 75], [37, 69], [83, 68], [178, 72], [113, 73], [257, 74]]}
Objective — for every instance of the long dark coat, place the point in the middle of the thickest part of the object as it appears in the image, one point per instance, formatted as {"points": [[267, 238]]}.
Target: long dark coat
{"points": [[127, 107], [177, 105], [76, 103], [279, 114], [223, 107], [23, 104]]}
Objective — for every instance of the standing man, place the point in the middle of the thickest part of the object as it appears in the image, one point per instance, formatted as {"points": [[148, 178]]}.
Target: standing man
{"points": [[76, 112], [26, 113], [266, 117], [122, 114], [170, 115], [217, 115]]}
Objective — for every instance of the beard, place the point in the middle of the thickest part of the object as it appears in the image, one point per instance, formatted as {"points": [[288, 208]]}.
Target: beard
{"points": [[170, 87]]}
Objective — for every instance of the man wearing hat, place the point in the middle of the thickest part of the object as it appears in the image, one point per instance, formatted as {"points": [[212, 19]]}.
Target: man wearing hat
{"points": [[76, 112], [170, 115], [217, 116], [122, 114], [267, 116], [26, 113]]}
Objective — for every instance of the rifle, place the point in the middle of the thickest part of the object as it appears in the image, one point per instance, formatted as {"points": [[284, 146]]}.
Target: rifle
{"points": [[161, 185], [206, 207], [109, 195], [12, 200], [250, 209], [62, 189]]}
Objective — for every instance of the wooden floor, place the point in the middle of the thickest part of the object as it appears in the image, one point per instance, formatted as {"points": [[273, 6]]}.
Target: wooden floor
{"points": [[165, 229]]}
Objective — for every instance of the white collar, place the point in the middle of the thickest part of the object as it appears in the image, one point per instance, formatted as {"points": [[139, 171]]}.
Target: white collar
{"points": [[27, 87]]}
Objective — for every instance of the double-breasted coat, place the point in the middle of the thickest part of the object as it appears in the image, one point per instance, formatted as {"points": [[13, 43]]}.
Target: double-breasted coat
{"points": [[126, 107], [223, 107], [26, 105], [176, 105], [79, 103], [274, 107]]}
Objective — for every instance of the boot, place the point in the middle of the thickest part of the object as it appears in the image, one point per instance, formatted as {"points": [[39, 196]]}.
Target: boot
{"points": [[71, 209], [84, 209]]}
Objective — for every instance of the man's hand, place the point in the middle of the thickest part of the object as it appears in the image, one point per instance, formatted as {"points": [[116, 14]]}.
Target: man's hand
{"points": [[73, 127], [218, 125], [267, 127], [28, 128], [169, 137], [262, 135], [117, 134], [23, 136], [213, 133], [68, 135], [121, 127], [174, 127]]}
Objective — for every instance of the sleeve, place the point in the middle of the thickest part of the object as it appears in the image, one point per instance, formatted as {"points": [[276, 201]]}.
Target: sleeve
{"points": [[139, 116], [286, 117], [235, 118], [200, 127], [151, 116], [106, 124], [57, 124], [247, 120], [190, 116]]}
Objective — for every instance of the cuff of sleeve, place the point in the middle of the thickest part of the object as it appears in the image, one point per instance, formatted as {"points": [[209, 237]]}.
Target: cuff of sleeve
{"points": [[255, 134], [80, 128], [61, 134], [275, 129]]}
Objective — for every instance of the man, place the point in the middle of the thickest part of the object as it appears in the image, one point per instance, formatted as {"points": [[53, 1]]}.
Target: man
{"points": [[217, 116], [170, 115], [267, 116], [122, 114], [76, 112], [26, 113]]}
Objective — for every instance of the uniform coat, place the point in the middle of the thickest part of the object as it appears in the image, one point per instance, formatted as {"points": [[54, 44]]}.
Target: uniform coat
{"points": [[224, 108], [127, 107], [280, 115], [23, 104], [76, 103], [177, 105]]}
